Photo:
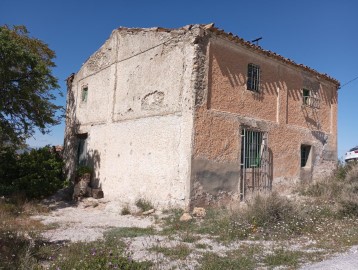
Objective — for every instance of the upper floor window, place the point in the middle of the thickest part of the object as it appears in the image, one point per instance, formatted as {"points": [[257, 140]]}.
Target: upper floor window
{"points": [[310, 98], [306, 94], [253, 77], [84, 94]]}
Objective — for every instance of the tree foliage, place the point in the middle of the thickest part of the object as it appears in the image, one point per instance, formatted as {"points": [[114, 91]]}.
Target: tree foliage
{"points": [[26, 85], [37, 173]]}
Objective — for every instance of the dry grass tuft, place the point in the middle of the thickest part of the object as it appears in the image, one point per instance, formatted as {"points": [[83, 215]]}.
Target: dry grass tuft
{"points": [[341, 190]]}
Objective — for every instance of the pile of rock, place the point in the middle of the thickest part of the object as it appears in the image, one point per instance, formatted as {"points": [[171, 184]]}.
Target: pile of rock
{"points": [[197, 212], [83, 188]]}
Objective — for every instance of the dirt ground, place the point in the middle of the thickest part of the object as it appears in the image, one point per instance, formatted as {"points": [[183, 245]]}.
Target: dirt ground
{"points": [[89, 219]]}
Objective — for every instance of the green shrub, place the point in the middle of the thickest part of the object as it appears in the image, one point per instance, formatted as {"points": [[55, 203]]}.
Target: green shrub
{"points": [[341, 171], [8, 170], [144, 205], [125, 210], [348, 208], [82, 170], [341, 189], [37, 173], [266, 211]]}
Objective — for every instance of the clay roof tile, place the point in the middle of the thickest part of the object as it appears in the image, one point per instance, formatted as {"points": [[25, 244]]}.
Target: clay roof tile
{"points": [[237, 39]]}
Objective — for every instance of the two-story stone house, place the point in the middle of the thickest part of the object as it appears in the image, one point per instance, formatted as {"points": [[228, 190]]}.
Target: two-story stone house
{"points": [[195, 116]]}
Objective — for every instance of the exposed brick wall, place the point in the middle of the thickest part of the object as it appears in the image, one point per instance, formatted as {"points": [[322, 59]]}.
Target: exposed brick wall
{"points": [[216, 137], [276, 109]]}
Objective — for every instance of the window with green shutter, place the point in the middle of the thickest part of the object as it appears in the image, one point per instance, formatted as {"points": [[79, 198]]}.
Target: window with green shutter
{"points": [[84, 94]]}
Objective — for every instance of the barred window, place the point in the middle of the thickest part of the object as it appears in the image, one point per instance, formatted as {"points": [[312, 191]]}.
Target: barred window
{"points": [[305, 155], [253, 77]]}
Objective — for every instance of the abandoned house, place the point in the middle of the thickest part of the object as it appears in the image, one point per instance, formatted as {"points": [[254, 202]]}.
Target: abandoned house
{"points": [[195, 116]]}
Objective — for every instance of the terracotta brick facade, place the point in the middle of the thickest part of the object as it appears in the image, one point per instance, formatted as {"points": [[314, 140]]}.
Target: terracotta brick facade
{"points": [[277, 108]]}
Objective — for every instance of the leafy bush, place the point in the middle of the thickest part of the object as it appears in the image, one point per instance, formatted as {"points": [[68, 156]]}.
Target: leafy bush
{"points": [[82, 170], [349, 208], [8, 170], [343, 169], [144, 205], [331, 187], [341, 189], [264, 217], [264, 211], [37, 173], [125, 210]]}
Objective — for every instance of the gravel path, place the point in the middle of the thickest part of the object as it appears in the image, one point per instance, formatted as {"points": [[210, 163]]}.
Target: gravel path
{"points": [[89, 219], [345, 261]]}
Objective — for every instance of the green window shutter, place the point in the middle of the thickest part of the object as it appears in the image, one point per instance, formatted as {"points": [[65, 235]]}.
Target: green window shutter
{"points": [[84, 94]]}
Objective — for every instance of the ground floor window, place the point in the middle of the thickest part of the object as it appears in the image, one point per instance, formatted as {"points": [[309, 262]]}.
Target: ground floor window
{"points": [[305, 155], [82, 149], [252, 148]]}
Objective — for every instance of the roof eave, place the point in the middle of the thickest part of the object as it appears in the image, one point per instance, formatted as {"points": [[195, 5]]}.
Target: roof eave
{"points": [[233, 38]]}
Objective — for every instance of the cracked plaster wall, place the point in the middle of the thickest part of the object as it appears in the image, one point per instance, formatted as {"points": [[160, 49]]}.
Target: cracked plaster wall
{"points": [[139, 114], [143, 87]]}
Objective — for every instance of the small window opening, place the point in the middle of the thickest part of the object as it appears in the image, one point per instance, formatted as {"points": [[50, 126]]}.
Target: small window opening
{"points": [[82, 149], [253, 77], [306, 94], [84, 94], [305, 155]]}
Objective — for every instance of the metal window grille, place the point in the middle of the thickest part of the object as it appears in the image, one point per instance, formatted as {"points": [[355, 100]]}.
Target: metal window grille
{"points": [[253, 77], [305, 152], [254, 162], [310, 99]]}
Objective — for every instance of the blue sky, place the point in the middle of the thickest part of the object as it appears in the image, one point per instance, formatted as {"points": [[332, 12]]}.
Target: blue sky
{"points": [[322, 34]]}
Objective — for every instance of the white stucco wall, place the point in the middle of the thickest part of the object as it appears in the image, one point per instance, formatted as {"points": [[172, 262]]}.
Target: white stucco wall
{"points": [[139, 115]]}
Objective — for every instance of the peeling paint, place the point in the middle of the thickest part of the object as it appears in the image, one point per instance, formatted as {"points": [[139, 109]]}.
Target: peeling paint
{"points": [[152, 101], [165, 110]]}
